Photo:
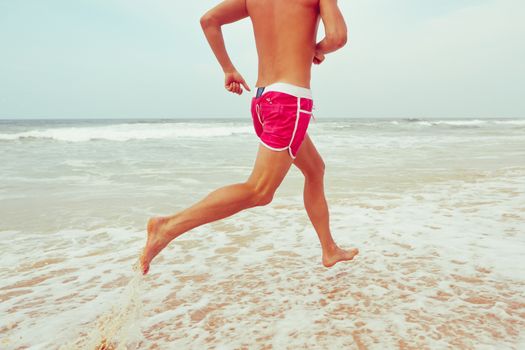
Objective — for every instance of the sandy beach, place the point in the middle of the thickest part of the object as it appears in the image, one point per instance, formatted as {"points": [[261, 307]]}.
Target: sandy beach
{"points": [[436, 208]]}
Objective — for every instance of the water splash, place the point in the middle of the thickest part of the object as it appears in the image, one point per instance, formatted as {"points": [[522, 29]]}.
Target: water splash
{"points": [[118, 329]]}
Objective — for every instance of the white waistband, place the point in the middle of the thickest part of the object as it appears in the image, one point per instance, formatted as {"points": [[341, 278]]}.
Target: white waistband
{"points": [[297, 91]]}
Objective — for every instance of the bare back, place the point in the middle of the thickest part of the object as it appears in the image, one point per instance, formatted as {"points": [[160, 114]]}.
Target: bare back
{"points": [[285, 36]]}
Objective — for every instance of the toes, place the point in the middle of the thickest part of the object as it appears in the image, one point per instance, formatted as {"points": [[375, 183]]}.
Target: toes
{"points": [[144, 267], [353, 252]]}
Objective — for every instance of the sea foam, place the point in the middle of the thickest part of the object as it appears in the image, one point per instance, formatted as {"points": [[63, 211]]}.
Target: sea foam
{"points": [[126, 132]]}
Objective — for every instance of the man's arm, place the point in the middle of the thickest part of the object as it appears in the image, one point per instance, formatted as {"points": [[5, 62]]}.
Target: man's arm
{"points": [[334, 27], [228, 11]]}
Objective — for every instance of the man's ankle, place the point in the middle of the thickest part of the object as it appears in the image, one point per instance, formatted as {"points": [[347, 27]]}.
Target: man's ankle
{"points": [[329, 248]]}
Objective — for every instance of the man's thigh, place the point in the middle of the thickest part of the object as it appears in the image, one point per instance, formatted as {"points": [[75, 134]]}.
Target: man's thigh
{"points": [[308, 159], [270, 168]]}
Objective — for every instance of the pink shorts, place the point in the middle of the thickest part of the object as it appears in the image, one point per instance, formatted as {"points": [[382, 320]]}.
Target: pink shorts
{"points": [[281, 116]]}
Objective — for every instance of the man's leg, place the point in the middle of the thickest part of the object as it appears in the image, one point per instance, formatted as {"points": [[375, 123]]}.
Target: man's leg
{"points": [[268, 172], [312, 166]]}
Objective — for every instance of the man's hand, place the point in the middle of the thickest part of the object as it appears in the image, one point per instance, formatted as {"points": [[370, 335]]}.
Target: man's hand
{"points": [[233, 81], [318, 57]]}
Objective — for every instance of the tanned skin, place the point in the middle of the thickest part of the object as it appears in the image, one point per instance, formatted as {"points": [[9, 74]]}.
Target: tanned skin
{"points": [[285, 35]]}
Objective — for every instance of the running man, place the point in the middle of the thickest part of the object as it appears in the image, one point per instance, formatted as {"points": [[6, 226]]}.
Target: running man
{"points": [[285, 36]]}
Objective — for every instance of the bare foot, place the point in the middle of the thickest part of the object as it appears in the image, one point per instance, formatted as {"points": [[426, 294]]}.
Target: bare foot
{"points": [[332, 257], [104, 345], [157, 240]]}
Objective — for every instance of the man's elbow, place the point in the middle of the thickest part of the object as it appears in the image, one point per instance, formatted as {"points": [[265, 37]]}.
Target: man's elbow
{"points": [[207, 20], [339, 40], [343, 40], [336, 40]]}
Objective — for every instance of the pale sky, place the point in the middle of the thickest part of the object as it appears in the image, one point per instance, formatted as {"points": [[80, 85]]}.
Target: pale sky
{"points": [[149, 59]]}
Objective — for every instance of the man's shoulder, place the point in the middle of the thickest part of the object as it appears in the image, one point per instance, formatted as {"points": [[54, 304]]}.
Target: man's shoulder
{"points": [[312, 3], [309, 2]]}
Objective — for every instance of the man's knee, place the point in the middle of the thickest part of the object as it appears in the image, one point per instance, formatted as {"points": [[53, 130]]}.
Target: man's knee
{"points": [[264, 198], [260, 195], [322, 166], [316, 170]]}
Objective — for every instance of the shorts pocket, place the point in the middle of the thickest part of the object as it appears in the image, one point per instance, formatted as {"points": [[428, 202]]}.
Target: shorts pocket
{"points": [[257, 124], [269, 110], [300, 131]]}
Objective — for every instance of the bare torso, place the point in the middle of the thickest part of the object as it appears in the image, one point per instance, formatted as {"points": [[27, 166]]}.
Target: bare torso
{"points": [[285, 36]]}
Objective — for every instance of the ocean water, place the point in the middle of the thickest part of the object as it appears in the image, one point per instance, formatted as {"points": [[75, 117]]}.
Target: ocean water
{"points": [[436, 207]]}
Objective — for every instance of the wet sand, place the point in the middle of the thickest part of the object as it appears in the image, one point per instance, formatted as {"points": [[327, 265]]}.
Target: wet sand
{"points": [[436, 210]]}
